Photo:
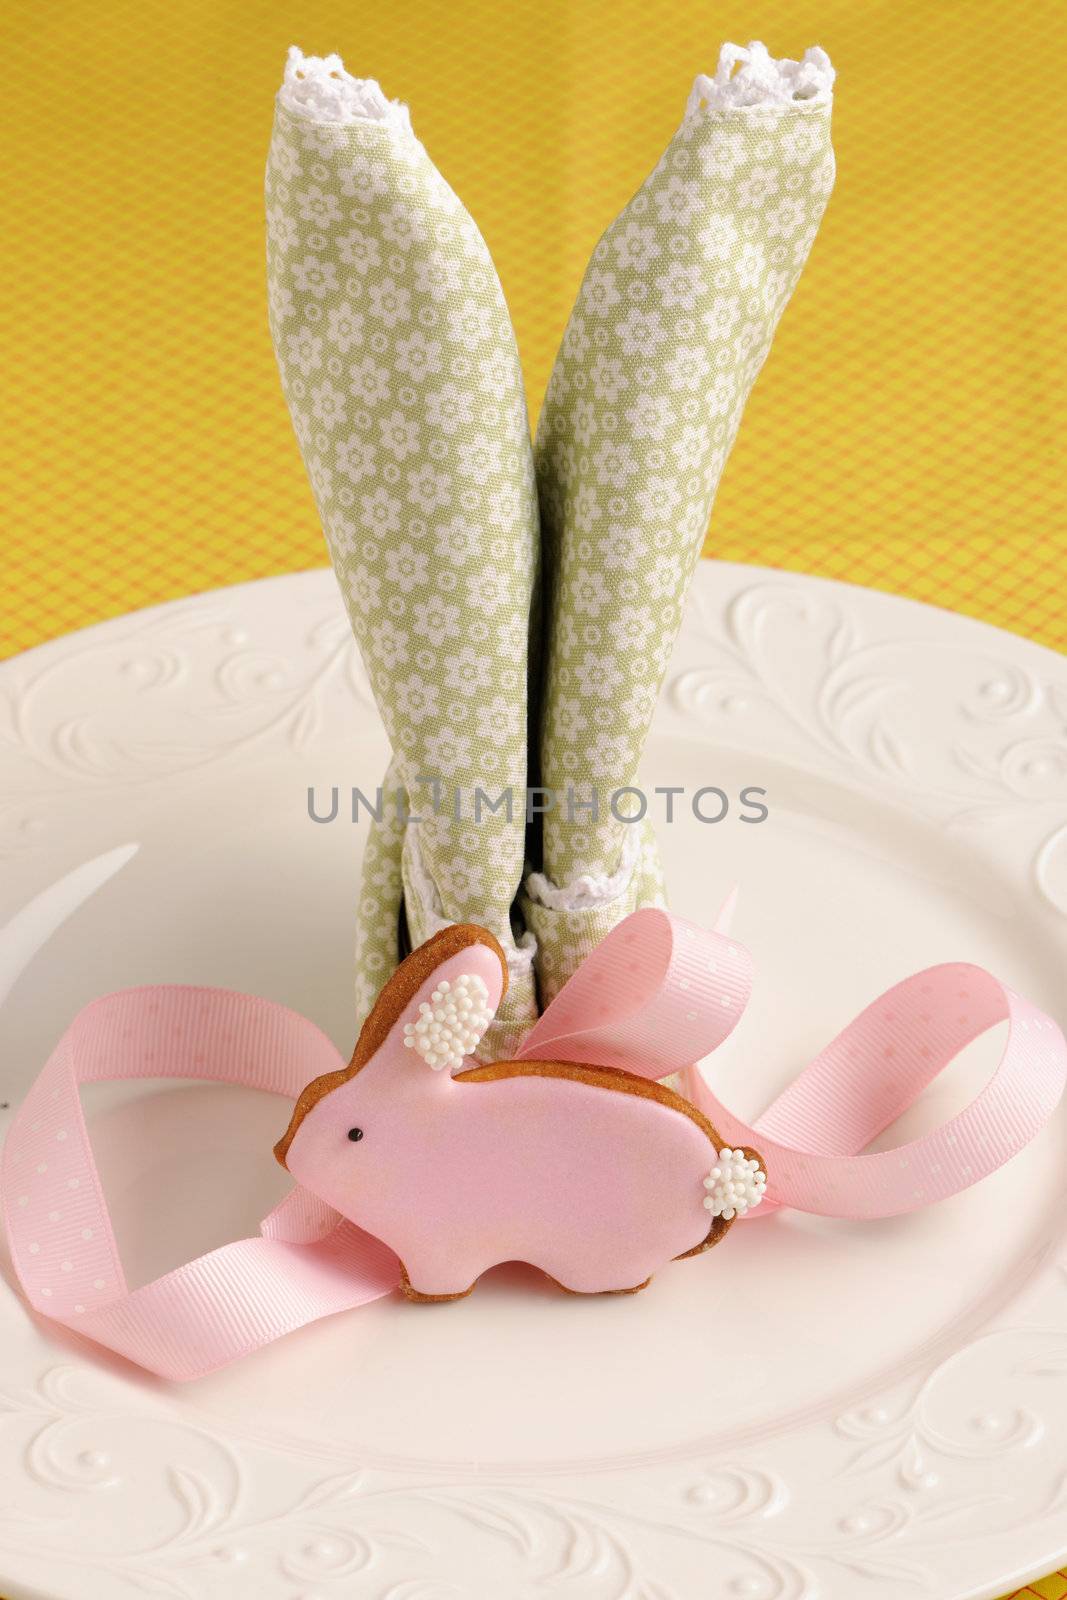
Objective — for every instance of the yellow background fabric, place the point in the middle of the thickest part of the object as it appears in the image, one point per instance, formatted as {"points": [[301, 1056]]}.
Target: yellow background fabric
{"points": [[904, 432], [901, 436]]}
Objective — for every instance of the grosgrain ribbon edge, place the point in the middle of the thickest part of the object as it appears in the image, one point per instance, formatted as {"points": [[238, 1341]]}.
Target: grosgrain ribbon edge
{"points": [[308, 1263], [655, 997]]}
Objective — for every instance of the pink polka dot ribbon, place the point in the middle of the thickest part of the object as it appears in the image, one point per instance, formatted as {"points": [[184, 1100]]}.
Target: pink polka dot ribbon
{"points": [[656, 997], [307, 1262], [660, 993]]}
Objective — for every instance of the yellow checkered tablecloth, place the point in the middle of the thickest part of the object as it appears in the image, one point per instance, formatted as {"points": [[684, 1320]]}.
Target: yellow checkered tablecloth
{"points": [[903, 435], [1052, 1588]]}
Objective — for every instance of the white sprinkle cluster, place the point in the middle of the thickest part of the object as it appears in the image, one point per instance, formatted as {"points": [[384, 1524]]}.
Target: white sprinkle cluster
{"points": [[451, 1022], [735, 1186]]}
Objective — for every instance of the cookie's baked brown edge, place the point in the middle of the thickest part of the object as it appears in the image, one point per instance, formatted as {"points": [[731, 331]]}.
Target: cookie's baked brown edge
{"points": [[390, 1005], [627, 1083]]}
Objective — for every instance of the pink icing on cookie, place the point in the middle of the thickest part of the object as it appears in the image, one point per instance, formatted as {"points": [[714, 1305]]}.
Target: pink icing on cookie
{"points": [[593, 1176]]}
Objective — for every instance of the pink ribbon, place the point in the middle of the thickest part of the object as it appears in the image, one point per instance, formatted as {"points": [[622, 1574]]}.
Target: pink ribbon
{"points": [[308, 1261], [660, 993], [655, 997]]}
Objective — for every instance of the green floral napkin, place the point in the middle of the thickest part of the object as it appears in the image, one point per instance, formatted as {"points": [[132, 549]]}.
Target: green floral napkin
{"points": [[402, 377], [674, 320], [403, 380]]}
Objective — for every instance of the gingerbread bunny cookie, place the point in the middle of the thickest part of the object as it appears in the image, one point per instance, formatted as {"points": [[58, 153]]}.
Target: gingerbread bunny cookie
{"points": [[594, 1175]]}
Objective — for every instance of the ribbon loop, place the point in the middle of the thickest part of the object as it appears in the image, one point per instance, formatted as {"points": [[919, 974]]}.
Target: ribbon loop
{"points": [[814, 1136], [657, 994], [655, 997], [309, 1262]]}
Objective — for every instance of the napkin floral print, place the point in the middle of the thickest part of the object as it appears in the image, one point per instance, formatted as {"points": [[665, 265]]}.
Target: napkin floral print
{"points": [[674, 319], [402, 376]]}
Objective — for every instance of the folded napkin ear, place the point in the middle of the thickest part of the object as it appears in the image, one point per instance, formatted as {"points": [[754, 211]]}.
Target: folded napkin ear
{"points": [[673, 321], [402, 377]]}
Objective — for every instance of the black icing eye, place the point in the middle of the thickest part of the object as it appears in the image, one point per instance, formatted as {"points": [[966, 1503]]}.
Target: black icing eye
{"points": [[355, 1133]]}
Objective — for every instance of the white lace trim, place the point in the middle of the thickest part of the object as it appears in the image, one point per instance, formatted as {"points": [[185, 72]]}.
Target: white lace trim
{"points": [[519, 956], [753, 77], [319, 88], [592, 889]]}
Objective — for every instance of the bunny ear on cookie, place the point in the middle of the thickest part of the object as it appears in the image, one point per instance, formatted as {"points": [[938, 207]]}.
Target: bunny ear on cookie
{"points": [[674, 319], [402, 377], [441, 999], [439, 1003], [448, 1014]]}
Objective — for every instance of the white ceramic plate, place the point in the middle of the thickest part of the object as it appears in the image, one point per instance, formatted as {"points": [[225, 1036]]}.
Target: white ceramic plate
{"points": [[819, 1411]]}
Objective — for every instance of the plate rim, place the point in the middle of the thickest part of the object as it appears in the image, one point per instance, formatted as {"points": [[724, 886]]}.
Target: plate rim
{"points": [[712, 579]]}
